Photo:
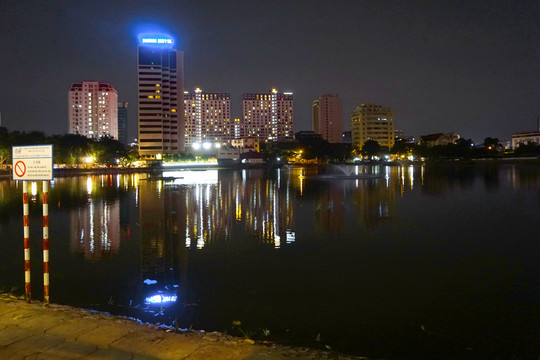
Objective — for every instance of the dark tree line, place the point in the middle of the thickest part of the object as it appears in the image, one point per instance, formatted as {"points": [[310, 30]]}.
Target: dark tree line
{"points": [[69, 149], [466, 149]]}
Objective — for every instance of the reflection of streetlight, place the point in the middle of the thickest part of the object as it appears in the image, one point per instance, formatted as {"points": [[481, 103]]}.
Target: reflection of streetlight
{"points": [[33, 188], [89, 185]]}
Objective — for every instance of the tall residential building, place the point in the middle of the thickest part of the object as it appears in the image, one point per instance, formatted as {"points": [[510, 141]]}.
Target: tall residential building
{"points": [[161, 97], [268, 117], [92, 109], [208, 118], [122, 122], [328, 118], [372, 122]]}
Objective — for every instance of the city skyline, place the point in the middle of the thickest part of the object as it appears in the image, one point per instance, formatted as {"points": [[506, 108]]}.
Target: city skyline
{"points": [[469, 68]]}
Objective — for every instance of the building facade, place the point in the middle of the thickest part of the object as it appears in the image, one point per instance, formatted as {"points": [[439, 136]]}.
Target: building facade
{"points": [[123, 122], [92, 109], [160, 97], [268, 117], [327, 118], [525, 137], [372, 122], [208, 119]]}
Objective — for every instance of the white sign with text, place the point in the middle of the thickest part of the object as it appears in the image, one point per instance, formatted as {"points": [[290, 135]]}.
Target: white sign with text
{"points": [[33, 162]]}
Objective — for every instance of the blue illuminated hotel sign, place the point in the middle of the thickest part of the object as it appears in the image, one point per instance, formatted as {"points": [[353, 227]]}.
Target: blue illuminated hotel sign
{"points": [[156, 40]]}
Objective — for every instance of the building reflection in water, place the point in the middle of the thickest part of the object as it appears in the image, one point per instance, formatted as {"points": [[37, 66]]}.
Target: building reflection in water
{"points": [[210, 207], [194, 210], [97, 226], [344, 200], [95, 229]]}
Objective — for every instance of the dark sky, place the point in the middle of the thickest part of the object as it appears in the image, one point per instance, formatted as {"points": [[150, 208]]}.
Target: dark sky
{"points": [[444, 66]]}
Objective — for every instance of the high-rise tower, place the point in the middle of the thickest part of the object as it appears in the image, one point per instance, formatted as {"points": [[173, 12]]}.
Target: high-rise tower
{"points": [[122, 122], [161, 97], [268, 117], [208, 119], [327, 118], [92, 109]]}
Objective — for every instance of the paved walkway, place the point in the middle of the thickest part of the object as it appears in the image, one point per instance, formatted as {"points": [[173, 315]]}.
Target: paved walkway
{"points": [[32, 332]]}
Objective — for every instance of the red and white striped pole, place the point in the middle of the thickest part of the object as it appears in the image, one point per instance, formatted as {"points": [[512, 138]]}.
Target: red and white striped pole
{"points": [[26, 232], [46, 242]]}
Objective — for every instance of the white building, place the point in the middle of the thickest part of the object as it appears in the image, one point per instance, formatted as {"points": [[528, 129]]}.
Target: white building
{"points": [[525, 137], [208, 119], [93, 109], [161, 97], [268, 117]]}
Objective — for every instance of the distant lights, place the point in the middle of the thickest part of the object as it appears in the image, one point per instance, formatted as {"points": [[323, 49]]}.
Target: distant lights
{"points": [[205, 146]]}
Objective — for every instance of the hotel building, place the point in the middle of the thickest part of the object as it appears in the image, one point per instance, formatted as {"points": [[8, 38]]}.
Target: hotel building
{"points": [[328, 118], [208, 119], [268, 117], [161, 97], [372, 122], [92, 109]]}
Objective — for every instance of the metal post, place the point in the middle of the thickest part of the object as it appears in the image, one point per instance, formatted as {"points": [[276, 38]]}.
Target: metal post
{"points": [[26, 232], [46, 242]]}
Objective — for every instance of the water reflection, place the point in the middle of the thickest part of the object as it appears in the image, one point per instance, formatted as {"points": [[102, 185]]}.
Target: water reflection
{"points": [[209, 209], [100, 221], [277, 246], [95, 229]]}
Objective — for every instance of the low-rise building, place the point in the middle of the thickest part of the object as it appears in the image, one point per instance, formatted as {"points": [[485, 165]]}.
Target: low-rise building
{"points": [[439, 139], [525, 137]]}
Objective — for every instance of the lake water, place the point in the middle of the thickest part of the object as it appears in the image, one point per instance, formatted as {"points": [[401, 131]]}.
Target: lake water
{"points": [[425, 262]]}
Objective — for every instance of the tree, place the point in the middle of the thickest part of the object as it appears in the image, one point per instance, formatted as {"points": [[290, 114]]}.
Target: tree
{"points": [[371, 148], [70, 149], [131, 155], [527, 149], [107, 150], [5, 154]]}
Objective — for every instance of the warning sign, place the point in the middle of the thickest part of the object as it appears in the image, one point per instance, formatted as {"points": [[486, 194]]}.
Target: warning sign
{"points": [[34, 162], [19, 168]]}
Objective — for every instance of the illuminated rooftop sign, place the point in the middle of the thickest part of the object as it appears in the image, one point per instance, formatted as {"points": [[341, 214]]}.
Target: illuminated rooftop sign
{"points": [[160, 40]]}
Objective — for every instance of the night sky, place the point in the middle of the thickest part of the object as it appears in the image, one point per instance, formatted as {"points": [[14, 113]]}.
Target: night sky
{"points": [[444, 66]]}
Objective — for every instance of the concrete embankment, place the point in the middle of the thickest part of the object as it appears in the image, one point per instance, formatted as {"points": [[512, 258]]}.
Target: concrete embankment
{"points": [[32, 331]]}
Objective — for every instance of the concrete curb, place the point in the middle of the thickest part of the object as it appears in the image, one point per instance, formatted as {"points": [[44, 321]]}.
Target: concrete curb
{"points": [[33, 331]]}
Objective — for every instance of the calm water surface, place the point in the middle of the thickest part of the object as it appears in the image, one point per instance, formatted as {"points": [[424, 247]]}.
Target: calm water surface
{"points": [[436, 261]]}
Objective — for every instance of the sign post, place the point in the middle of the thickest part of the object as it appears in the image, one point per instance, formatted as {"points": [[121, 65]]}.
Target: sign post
{"points": [[34, 163]]}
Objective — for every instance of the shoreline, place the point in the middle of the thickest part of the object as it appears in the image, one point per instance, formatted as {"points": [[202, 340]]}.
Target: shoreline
{"points": [[61, 331], [60, 172]]}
